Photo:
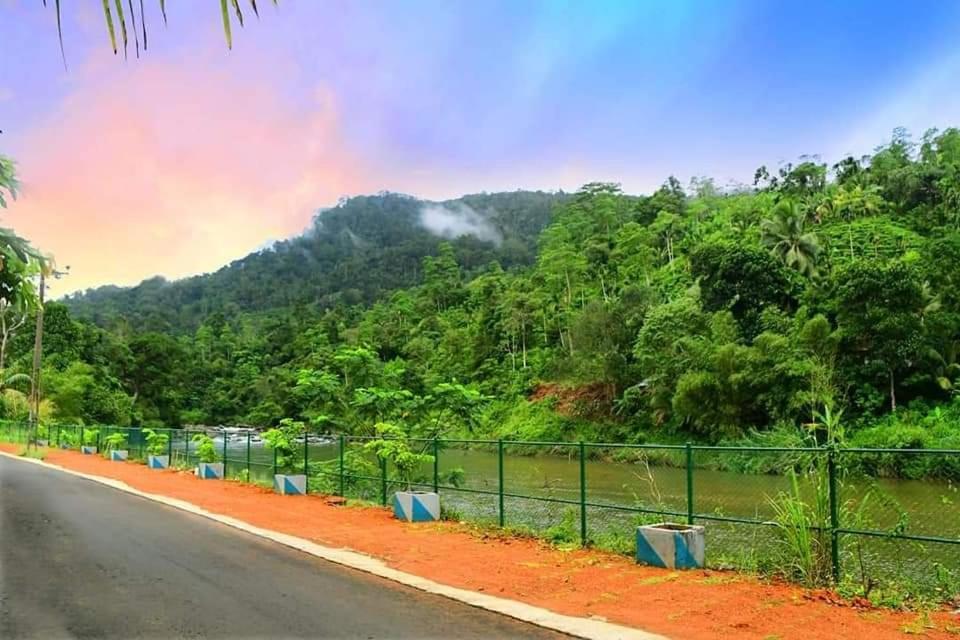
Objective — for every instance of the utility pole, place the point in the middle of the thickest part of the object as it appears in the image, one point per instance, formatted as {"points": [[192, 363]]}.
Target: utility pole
{"points": [[35, 376]]}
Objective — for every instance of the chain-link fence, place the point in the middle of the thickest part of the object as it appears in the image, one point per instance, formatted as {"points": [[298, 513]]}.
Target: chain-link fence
{"points": [[873, 514]]}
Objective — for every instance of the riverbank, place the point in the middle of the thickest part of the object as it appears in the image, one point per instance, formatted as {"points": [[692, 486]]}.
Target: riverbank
{"points": [[586, 583]]}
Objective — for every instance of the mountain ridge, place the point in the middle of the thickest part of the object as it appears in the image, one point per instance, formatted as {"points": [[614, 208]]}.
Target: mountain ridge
{"points": [[352, 253]]}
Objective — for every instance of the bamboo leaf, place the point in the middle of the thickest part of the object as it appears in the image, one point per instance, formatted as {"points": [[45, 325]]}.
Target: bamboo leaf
{"points": [[253, 4], [123, 25], [236, 8], [226, 23], [109, 19], [163, 10]]}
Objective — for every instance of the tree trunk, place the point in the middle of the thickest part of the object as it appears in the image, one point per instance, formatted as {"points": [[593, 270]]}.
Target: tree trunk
{"points": [[35, 378], [893, 393], [523, 342]]}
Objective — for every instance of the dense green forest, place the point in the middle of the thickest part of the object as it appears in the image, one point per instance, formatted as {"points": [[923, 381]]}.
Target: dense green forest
{"points": [[821, 297]]}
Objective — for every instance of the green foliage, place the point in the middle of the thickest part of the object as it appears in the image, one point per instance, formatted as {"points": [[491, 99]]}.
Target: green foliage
{"points": [[818, 306], [394, 447], [115, 441], [157, 443], [281, 440], [89, 437], [205, 449], [803, 527]]}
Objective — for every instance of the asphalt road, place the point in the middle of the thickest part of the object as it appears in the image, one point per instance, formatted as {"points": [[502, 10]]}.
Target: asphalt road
{"points": [[80, 560]]}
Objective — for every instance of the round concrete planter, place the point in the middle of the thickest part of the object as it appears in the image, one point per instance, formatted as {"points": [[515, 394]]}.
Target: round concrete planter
{"points": [[210, 471], [416, 506], [119, 455], [158, 462], [671, 546]]}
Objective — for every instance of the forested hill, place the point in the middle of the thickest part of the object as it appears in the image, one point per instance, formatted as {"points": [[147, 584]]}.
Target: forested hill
{"points": [[824, 298], [352, 254]]}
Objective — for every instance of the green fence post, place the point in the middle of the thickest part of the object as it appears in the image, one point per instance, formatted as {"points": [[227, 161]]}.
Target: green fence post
{"points": [[224, 455], [248, 456], [274, 465], [689, 450], [342, 495], [383, 481], [501, 517], [58, 436], [98, 440], [306, 459], [583, 495], [436, 466], [834, 513], [186, 447], [170, 448]]}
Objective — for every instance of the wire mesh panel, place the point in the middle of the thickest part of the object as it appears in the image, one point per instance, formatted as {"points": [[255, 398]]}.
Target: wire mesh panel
{"points": [[630, 486], [468, 480]]}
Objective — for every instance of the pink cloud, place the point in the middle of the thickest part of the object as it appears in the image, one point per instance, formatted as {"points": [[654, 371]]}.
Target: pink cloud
{"points": [[176, 168]]}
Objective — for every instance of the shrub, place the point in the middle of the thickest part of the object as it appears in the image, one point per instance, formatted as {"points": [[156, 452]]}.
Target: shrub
{"points": [[115, 441], [281, 440], [393, 445], [206, 451], [157, 443]]}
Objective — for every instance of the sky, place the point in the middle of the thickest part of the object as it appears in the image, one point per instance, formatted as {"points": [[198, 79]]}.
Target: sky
{"points": [[194, 155]]}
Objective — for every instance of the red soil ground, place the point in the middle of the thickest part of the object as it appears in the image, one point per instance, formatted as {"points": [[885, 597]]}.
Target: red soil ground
{"points": [[697, 604]]}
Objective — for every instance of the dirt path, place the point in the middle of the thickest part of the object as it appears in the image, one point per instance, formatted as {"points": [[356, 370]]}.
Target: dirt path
{"points": [[699, 604]]}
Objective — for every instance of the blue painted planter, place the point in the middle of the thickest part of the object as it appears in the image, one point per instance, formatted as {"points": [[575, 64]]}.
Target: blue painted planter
{"points": [[210, 471], [118, 455], [290, 485], [416, 506], [158, 462], [88, 450], [671, 546]]}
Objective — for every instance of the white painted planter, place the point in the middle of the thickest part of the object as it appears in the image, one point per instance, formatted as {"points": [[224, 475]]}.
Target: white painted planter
{"points": [[88, 450], [671, 546], [416, 506], [43, 443], [290, 485], [119, 455], [210, 470], [158, 462]]}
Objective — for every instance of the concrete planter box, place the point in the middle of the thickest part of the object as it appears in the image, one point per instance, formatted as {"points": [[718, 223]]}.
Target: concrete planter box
{"points": [[64, 445], [416, 506], [290, 485], [43, 443], [210, 471], [119, 455], [671, 546], [88, 450], [158, 462]]}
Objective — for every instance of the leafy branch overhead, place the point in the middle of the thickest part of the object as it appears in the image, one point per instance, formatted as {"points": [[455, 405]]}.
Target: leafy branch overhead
{"points": [[132, 21]]}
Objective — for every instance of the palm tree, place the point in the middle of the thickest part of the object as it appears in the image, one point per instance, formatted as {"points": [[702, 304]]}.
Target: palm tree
{"points": [[12, 245], [785, 235]]}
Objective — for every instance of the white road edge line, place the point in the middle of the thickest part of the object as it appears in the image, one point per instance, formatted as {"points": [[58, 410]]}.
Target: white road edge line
{"points": [[570, 625]]}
